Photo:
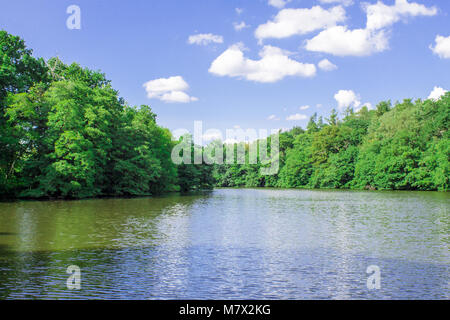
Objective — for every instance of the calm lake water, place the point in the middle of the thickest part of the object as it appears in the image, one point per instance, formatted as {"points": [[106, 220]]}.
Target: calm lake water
{"points": [[229, 244]]}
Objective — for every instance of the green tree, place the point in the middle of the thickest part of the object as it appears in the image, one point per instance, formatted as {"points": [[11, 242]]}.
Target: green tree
{"points": [[18, 73]]}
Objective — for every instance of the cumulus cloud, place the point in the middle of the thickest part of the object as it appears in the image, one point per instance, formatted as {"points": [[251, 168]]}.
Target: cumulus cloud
{"points": [[239, 10], [296, 117], [289, 22], [343, 2], [168, 90], [442, 47], [278, 3], [304, 107], [273, 117], [340, 41], [326, 65], [347, 98], [273, 66], [240, 26], [204, 39], [437, 93], [380, 15]]}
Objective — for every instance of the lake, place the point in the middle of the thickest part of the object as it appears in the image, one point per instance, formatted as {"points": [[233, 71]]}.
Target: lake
{"points": [[229, 244]]}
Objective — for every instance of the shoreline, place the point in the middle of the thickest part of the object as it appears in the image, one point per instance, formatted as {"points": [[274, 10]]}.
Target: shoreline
{"points": [[178, 193]]}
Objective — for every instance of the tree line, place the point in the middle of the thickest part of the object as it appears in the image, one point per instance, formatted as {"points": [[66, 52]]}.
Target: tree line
{"points": [[66, 133], [400, 147]]}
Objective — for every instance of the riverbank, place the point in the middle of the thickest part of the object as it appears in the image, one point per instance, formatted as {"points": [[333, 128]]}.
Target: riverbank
{"points": [[192, 192]]}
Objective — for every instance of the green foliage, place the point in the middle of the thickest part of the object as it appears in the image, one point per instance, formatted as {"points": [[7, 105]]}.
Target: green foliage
{"points": [[405, 147], [65, 133], [19, 71], [193, 176]]}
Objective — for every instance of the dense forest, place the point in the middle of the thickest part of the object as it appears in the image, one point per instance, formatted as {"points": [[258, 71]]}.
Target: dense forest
{"points": [[401, 147], [66, 133]]}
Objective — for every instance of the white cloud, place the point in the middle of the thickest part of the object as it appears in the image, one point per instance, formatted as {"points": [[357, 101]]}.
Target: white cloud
{"points": [[380, 15], [204, 39], [278, 3], [177, 96], [340, 41], [289, 22], [273, 117], [347, 98], [239, 10], [326, 65], [304, 107], [168, 90], [343, 2], [273, 66], [297, 116], [437, 93], [240, 26], [442, 47]]}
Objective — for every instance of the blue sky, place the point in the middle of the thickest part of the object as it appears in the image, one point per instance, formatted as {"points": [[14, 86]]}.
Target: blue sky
{"points": [[377, 50]]}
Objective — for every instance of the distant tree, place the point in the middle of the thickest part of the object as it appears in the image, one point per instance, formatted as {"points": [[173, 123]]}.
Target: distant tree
{"points": [[383, 107], [333, 119], [312, 125]]}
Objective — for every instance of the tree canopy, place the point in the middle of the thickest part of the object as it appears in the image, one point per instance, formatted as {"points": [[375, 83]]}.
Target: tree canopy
{"points": [[405, 147], [65, 133]]}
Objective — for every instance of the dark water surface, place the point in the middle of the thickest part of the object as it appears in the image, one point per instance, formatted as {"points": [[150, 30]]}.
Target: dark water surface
{"points": [[229, 244]]}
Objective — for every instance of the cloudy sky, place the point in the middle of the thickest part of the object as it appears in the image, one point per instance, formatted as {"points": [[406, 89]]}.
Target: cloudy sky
{"points": [[255, 63]]}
